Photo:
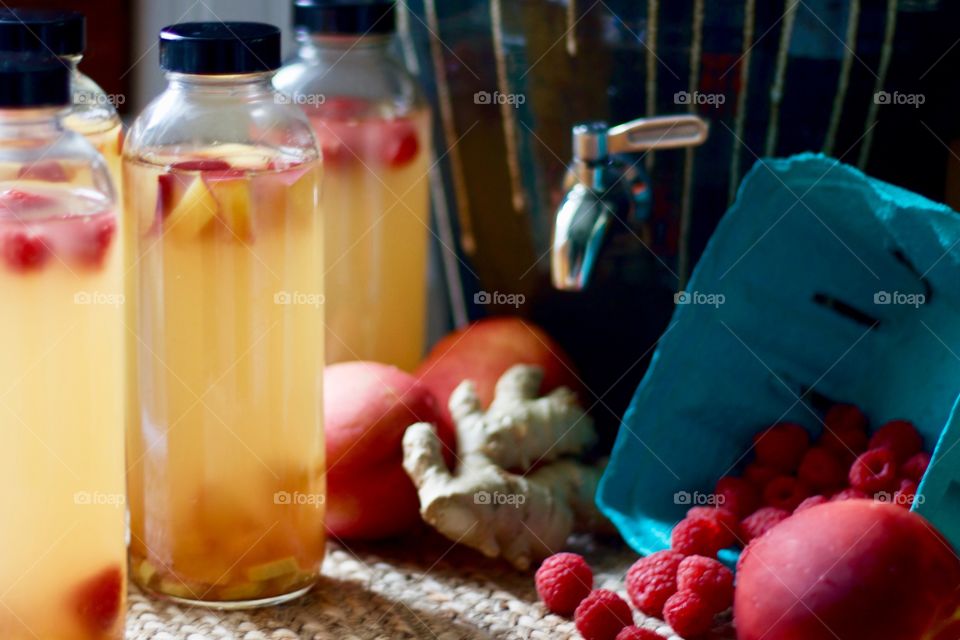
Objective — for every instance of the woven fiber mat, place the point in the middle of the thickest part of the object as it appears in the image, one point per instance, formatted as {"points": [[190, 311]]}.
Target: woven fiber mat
{"points": [[414, 590]]}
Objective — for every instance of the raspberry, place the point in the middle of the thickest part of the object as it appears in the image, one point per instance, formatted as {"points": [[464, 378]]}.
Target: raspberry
{"points": [[849, 494], [700, 537], [873, 471], [812, 501], [916, 466], [759, 475], [653, 579], [822, 470], [688, 614], [845, 442], [761, 521], [638, 633], [737, 495], [97, 600], [24, 252], [900, 436], [563, 581], [602, 615], [723, 517], [708, 579], [845, 416], [782, 446], [785, 493], [905, 495], [399, 143]]}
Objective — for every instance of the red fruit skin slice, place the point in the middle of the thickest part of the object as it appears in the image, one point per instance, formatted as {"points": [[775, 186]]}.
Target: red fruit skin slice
{"points": [[97, 600], [98, 242], [201, 165], [48, 170]]}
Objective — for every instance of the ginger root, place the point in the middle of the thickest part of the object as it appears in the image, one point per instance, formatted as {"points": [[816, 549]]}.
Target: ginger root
{"points": [[521, 516]]}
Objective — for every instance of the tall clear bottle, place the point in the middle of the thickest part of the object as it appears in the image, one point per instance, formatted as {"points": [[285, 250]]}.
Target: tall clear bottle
{"points": [[63, 33], [373, 127], [226, 468], [62, 544]]}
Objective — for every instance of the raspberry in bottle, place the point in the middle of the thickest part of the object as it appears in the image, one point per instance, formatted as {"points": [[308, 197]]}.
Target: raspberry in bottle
{"points": [[373, 127], [226, 462], [62, 546]]}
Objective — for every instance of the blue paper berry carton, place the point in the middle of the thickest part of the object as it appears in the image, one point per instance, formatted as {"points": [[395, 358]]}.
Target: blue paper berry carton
{"points": [[820, 285]]}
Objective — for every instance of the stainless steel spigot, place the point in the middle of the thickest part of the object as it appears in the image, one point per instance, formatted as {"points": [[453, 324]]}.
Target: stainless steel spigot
{"points": [[601, 186]]}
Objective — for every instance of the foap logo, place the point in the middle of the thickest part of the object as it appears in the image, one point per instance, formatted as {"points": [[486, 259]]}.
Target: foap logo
{"points": [[697, 499], [100, 99], [298, 499], [899, 499], [99, 498], [896, 98], [495, 297], [512, 99], [498, 498], [699, 98], [301, 99], [895, 297], [699, 298], [98, 298], [299, 298]]}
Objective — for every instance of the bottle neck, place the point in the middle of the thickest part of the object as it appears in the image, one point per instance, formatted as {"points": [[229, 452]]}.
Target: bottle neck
{"points": [[234, 86], [314, 46], [31, 122]]}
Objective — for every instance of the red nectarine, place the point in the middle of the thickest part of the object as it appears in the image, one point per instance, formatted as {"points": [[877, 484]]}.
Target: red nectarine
{"points": [[484, 350], [367, 408], [851, 570]]}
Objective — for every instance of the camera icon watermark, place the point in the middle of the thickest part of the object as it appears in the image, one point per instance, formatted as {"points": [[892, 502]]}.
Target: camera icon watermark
{"points": [[896, 98], [498, 498], [98, 298], [300, 99], [699, 98], [514, 300], [897, 298], [298, 499], [99, 498], [512, 99], [699, 298], [698, 499], [315, 300]]}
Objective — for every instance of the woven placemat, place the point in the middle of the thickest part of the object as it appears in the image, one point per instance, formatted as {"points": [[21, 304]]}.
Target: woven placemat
{"points": [[423, 589]]}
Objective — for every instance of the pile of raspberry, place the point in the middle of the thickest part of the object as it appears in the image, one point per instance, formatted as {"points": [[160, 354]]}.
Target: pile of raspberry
{"points": [[686, 585], [790, 473], [686, 591]]}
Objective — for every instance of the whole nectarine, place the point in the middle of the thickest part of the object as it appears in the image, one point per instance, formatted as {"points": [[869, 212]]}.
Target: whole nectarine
{"points": [[851, 570], [484, 350], [367, 408]]}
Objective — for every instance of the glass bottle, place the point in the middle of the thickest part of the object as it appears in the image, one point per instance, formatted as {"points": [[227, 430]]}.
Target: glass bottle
{"points": [[226, 465], [62, 549], [373, 127], [63, 34]]}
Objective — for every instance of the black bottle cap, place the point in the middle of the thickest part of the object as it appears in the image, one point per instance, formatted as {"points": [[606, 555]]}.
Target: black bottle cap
{"points": [[346, 17], [220, 48], [33, 80], [57, 33]]}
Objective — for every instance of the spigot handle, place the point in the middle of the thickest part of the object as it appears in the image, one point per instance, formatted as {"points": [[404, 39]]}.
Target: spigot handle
{"points": [[594, 141], [662, 132]]}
